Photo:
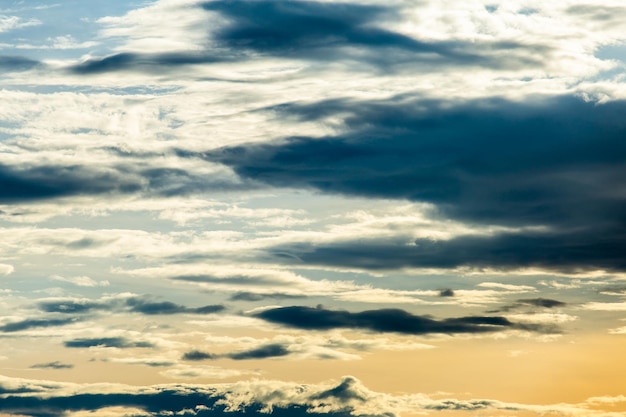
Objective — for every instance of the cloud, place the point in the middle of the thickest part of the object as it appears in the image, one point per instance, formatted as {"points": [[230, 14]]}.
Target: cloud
{"points": [[123, 303], [347, 397], [334, 31], [82, 281], [8, 23], [28, 324], [542, 302], [196, 355], [138, 305], [251, 296], [272, 350], [6, 269], [407, 148], [267, 351], [303, 30], [71, 306], [42, 182], [145, 62], [545, 303], [17, 63], [107, 342], [52, 365], [446, 292], [388, 320]]}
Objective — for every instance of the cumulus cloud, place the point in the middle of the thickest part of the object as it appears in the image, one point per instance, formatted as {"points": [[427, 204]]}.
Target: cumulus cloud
{"points": [[348, 397]]}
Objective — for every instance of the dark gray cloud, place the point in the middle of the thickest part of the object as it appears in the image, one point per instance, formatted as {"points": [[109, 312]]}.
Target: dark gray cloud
{"points": [[554, 162], [272, 350], [28, 324], [613, 289], [34, 183], [389, 320], [17, 63], [542, 302], [337, 31], [197, 355], [142, 306], [446, 292], [113, 342], [174, 400], [532, 303], [251, 296], [346, 391], [45, 182], [566, 252], [315, 31], [267, 351], [53, 365], [71, 307], [143, 62]]}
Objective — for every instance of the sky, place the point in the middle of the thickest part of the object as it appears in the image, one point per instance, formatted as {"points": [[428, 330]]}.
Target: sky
{"points": [[301, 208]]}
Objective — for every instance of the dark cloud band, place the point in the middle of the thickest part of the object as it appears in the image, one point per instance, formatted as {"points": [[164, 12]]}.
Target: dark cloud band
{"points": [[388, 320]]}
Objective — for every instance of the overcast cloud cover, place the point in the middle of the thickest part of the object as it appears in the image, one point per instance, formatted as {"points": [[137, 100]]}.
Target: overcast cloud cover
{"points": [[312, 207]]}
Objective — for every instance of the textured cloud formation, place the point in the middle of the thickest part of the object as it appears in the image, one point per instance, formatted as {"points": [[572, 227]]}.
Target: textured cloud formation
{"points": [[550, 163], [52, 365], [16, 63], [317, 31], [28, 324], [389, 320], [166, 307], [349, 397], [107, 342], [131, 304], [272, 350]]}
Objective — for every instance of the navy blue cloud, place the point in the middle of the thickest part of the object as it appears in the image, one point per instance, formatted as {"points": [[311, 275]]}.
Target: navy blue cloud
{"points": [[143, 62], [52, 365], [28, 324], [323, 32], [390, 320], [173, 400], [569, 251], [18, 184], [331, 31], [17, 63], [135, 304], [553, 162], [112, 342], [139, 305], [272, 350], [50, 181]]}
